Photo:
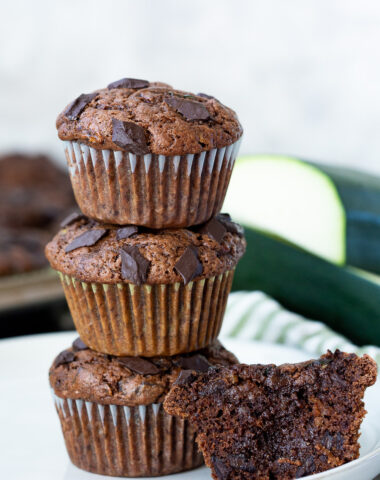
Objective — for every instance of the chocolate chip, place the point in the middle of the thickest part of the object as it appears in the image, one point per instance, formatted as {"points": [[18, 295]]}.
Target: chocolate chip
{"points": [[139, 365], [134, 267], [231, 226], [184, 378], [86, 239], [78, 105], [129, 136], [214, 229], [190, 109], [73, 217], [79, 345], [64, 358], [126, 232], [196, 362], [204, 95], [241, 463], [222, 470], [188, 266], [128, 83]]}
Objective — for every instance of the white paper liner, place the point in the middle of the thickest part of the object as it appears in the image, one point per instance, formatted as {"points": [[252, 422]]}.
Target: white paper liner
{"points": [[151, 190], [126, 441]]}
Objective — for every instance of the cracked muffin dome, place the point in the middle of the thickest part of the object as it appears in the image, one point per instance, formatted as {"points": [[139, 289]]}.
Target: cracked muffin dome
{"points": [[160, 120], [81, 373], [102, 253]]}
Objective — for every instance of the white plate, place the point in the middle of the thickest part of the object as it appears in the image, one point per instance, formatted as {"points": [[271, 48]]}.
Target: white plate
{"points": [[31, 444]]}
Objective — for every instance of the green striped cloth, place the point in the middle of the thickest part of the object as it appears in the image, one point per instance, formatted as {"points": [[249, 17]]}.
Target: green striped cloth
{"points": [[255, 316]]}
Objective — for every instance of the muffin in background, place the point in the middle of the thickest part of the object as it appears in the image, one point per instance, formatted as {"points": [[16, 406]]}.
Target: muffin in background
{"points": [[146, 154], [133, 291], [35, 195], [111, 411]]}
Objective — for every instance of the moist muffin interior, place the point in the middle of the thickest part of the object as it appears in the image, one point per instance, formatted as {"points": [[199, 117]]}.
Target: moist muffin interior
{"points": [[167, 131], [268, 422], [102, 261], [106, 379]]}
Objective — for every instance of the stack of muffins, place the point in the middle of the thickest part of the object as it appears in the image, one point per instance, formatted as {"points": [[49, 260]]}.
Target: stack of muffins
{"points": [[146, 267]]}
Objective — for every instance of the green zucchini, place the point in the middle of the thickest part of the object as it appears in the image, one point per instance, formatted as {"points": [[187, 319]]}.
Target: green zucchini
{"points": [[332, 212], [344, 299]]}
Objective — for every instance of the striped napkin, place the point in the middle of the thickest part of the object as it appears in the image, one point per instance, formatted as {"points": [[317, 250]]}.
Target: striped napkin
{"points": [[255, 316]]}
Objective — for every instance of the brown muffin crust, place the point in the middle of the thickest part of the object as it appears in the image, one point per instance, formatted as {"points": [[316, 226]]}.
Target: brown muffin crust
{"points": [[101, 378], [102, 262], [168, 132]]}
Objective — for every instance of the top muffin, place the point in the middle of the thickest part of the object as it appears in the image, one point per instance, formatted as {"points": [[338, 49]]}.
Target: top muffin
{"points": [[148, 117]]}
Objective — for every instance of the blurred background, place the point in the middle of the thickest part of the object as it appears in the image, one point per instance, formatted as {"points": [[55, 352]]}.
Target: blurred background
{"points": [[304, 78]]}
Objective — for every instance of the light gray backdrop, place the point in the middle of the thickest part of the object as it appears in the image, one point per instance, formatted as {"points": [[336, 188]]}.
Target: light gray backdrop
{"points": [[304, 75]]}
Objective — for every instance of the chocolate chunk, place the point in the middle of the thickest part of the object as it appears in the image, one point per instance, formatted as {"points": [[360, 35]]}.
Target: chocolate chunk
{"points": [[79, 345], [78, 105], [126, 232], [190, 109], [189, 266], [204, 95], [139, 365], [196, 362], [86, 239], [134, 267], [214, 229], [231, 226], [241, 463], [64, 358], [185, 377], [129, 136], [128, 83], [222, 470], [73, 217]]}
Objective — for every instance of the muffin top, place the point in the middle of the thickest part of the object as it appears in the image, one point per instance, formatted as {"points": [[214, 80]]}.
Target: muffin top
{"points": [[143, 117], [102, 253], [81, 373]]}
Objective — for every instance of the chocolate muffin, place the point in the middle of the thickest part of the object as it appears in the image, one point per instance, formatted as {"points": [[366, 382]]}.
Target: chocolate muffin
{"points": [[34, 197], [146, 154], [266, 422], [34, 192], [132, 291], [111, 412]]}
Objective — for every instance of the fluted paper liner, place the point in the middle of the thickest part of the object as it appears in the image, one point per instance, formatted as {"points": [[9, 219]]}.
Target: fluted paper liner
{"points": [[148, 320], [150, 190], [115, 440]]}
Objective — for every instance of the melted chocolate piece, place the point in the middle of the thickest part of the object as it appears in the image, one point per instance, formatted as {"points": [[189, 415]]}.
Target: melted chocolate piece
{"points": [[204, 95], [189, 266], [190, 109], [134, 266], [185, 377], [130, 137], [64, 358], [128, 83], [76, 107], [196, 362], [231, 226], [73, 217], [79, 345], [214, 229], [126, 232], [221, 469], [86, 239], [139, 365]]}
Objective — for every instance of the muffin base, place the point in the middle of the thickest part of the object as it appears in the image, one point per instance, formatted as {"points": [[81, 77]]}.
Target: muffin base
{"points": [[150, 190], [148, 320], [115, 440]]}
